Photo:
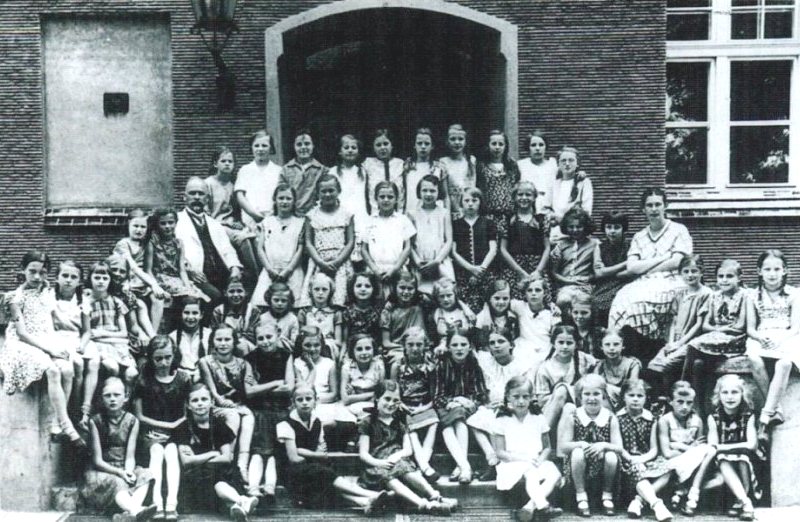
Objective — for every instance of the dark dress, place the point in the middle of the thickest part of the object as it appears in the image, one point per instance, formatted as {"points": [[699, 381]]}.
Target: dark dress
{"points": [[161, 402], [309, 483], [604, 290], [525, 243], [455, 379], [268, 408], [384, 440], [589, 430], [472, 244], [732, 429], [358, 320], [416, 389], [197, 481], [636, 440]]}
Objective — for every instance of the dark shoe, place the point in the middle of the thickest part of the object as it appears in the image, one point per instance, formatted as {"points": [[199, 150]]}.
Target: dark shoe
{"points": [[608, 507], [583, 509], [146, 513], [488, 474], [547, 513], [523, 515], [432, 477], [268, 499]]}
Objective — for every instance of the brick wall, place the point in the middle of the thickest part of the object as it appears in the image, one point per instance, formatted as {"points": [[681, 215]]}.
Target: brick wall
{"points": [[590, 73]]}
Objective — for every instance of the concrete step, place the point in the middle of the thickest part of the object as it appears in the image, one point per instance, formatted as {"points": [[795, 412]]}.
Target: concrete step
{"points": [[785, 450]]}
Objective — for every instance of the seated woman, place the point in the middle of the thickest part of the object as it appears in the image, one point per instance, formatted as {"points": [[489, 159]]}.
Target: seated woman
{"points": [[639, 310]]}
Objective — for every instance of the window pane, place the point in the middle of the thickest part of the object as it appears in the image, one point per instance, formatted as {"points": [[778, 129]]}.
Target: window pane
{"points": [[779, 2], [744, 26], [687, 91], [740, 3], [687, 151], [778, 24], [688, 3], [760, 154], [688, 26], [760, 90]]}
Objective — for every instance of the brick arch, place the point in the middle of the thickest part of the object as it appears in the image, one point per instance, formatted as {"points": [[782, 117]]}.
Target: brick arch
{"points": [[508, 33]]}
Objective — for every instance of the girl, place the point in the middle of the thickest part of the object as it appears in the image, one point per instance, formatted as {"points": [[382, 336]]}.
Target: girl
{"points": [[205, 447], [419, 165], [279, 245], [132, 249], [524, 242], [496, 315], [31, 350], [387, 237], [158, 402], [474, 247], [313, 369], [569, 190], [461, 167], [589, 438], [554, 381], [164, 258], [268, 398], [237, 313], [450, 313], [140, 329], [191, 338], [682, 442], [431, 246], [114, 477], [228, 378], [303, 172], [574, 256], [640, 458], [219, 205], [773, 328], [497, 177], [361, 373], [610, 271], [537, 317], [406, 307], [582, 317], [256, 181], [523, 447], [689, 309], [415, 374], [310, 481], [323, 316], [383, 167], [539, 170], [385, 449], [615, 368], [732, 432], [459, 390], [355, 186], [280, 301], [104, 325], [67, 324], [724, 327], [329, 239], [364, 313]]}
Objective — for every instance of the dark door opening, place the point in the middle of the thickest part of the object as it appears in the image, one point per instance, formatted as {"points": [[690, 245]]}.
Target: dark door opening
{"points": [[394, 68]]}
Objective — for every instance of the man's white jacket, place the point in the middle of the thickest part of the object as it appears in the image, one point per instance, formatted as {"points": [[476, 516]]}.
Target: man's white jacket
{"points": [[185, 231]]}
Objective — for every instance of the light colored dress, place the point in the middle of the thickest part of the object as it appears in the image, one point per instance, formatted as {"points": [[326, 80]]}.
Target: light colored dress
{"points": [[645, 303], [106, 313], [685, 464], [378, 171], [330, 237], [362, 382], [219, 205], [126, 246], [495, 376], [281, 238], [385, 237], [431, 226], [319, 378], [258, 185], [355, 200], [21, 363], [461, 174], [67, 323], [533, 343], [414, 172], [774, 322], [551, 375], [522, 438], [543, 177]]}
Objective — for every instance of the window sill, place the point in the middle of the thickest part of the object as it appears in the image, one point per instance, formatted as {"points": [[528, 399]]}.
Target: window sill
{"points": [[85, 217], [696, 207]]}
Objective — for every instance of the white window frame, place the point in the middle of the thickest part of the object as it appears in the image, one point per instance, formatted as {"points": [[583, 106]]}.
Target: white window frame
{"points": [[718, 197]]}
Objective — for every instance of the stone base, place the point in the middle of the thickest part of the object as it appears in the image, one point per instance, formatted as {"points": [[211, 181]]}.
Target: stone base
{"points": [[28, 460], [785, 451]]}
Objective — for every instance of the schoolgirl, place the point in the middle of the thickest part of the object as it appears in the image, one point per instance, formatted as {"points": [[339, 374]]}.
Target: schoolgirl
{"points": [[303, 172], [461, 166], [256, 181]]}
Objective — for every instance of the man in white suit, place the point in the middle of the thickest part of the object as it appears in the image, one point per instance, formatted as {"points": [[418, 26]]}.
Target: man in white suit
{"points": [[210, 257]]}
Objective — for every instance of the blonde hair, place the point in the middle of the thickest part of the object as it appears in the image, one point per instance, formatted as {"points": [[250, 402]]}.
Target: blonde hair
{"points": [[735, 380]]}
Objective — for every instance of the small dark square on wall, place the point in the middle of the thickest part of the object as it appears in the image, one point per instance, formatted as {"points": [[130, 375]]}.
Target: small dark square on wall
{"points": [[115, 103]]}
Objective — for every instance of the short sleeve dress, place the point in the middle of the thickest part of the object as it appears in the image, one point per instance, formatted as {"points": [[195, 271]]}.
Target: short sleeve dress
{"points": [[723, 311], [430, 237], [471, 242], [105, 313], [384, 440], [281, 237], [525, 240], [162, 401], [591, 430], [330, 237]]}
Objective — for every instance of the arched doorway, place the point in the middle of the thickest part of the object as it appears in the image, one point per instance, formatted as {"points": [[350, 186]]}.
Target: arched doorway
{"points": [[356, 65]]}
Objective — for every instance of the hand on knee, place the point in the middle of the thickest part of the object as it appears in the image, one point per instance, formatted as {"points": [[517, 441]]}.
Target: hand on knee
{"points": [[610, 458], [577, 455]]}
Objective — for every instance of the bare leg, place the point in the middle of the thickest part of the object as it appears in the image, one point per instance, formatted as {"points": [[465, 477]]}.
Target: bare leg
{"points": [[732, 480], [346, 486], [227, 493], [157, 471], [156, 313], [173, 467], [406, 494], [418, 482], [255, 472], [89, 387], [552, 410], [111, 367], [131, 501], [539, 491], [744, 475], [130, 375], [144, 320], [760, 375], [697, 481], [270, 476], [419, 452], [783, 369], [578, 467], [610, 461], [488, 450], [67, 369], [427, 444], [457, 451], [56, 394], [245, 438]]}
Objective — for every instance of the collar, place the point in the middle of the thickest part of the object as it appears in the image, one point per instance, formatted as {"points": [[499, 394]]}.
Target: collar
{"points": [[194, 215], [296, 417], [655, 238], [600, 421], [646, 414]]}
